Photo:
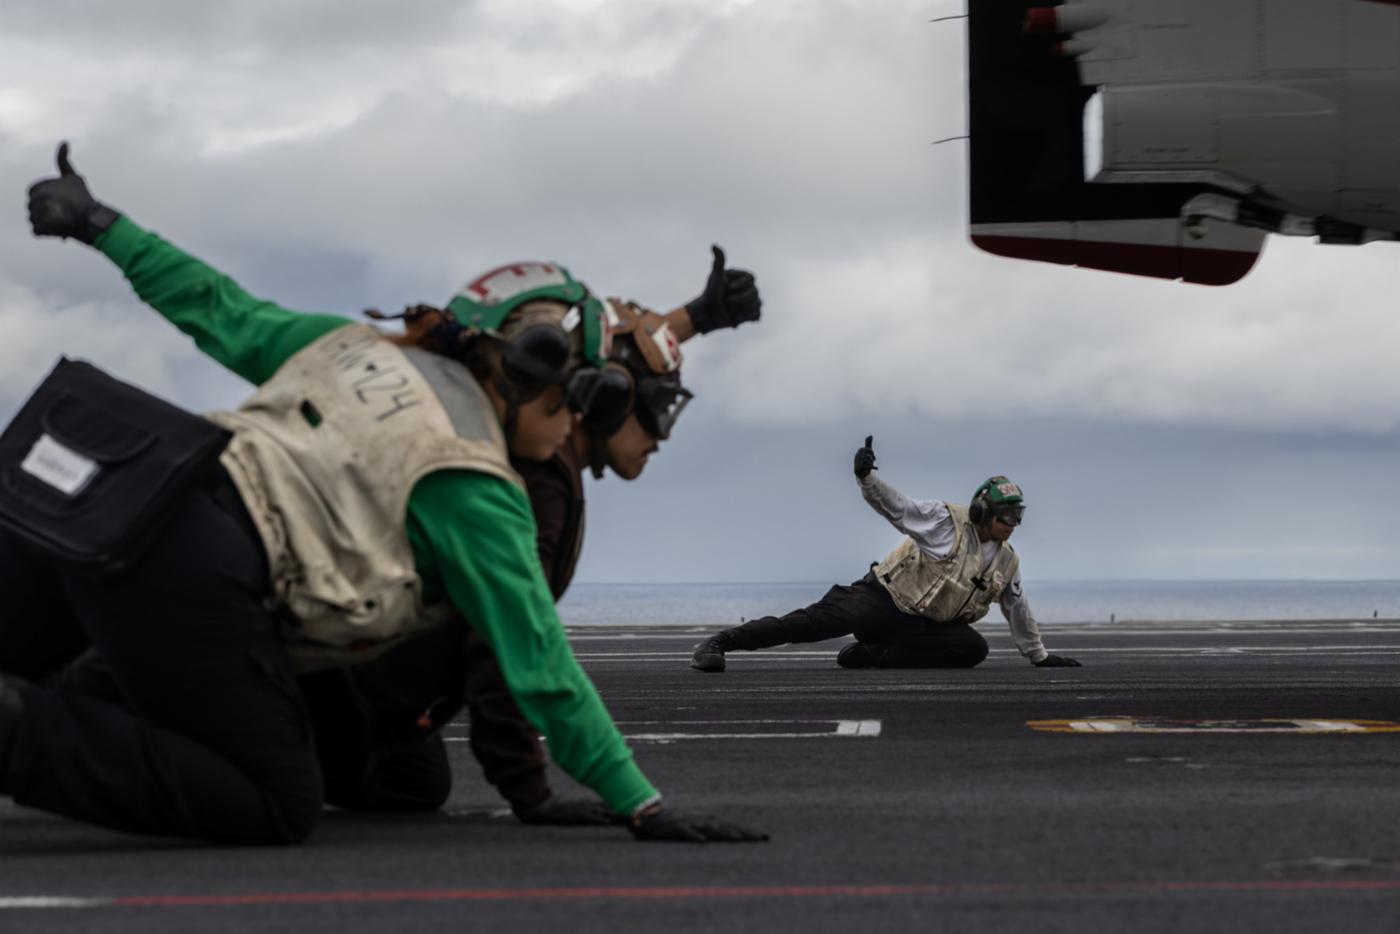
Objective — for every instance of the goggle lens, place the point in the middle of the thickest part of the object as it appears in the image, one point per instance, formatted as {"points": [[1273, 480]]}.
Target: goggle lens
{"points": [[1009, 515], [660, 403]]}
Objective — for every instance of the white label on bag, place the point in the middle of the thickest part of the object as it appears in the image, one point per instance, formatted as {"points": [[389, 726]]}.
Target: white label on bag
{"points": [[61, 468]]}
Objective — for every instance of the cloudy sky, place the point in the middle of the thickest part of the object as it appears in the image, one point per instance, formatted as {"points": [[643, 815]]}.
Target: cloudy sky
{"points": [[334, 155]]}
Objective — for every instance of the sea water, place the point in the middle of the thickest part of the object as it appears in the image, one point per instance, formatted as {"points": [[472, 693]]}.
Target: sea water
{"points": [[714, 605]]}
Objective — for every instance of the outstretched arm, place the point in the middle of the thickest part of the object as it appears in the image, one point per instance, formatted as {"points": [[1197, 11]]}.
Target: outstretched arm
{"points": [[250, 336], [926, 521], [1024, 631], [474, 538]]}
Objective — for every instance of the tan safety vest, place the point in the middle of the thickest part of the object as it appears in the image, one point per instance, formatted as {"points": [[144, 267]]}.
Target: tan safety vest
{"points": [[325, 455], [947, 589]]}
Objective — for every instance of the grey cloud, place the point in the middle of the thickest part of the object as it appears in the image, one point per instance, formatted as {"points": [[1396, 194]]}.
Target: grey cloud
{"points": [[725, 146], [262, 30]]}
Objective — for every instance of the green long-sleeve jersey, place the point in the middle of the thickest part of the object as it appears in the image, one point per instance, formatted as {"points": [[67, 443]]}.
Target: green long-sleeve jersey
{"points": [[472, 535]]}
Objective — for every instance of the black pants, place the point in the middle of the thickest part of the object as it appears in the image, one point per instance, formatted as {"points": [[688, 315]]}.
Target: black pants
{"points": [[897, 639], [192, 725], [377, 725]]}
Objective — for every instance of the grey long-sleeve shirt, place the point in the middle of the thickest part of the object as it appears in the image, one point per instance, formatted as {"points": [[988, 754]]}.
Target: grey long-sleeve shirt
{"points": [[929, 523]]}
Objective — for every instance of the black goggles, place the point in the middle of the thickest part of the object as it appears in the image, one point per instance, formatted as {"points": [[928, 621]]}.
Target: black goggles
{"points": [[1009, 515], [660, 401]]}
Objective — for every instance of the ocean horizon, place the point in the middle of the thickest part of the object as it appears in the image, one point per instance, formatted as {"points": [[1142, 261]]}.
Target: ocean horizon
{"points": [[1063, 601]]}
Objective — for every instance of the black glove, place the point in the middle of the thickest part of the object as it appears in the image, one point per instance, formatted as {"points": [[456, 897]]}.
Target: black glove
{"points": [[565, 812], [662, 823], [865, 458], [63, 206], [730, 298], [1056, 661]]}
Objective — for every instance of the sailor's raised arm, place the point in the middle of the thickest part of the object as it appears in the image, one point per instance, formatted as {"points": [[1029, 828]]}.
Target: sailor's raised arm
{"points": [[248, 335], [927, 521]]}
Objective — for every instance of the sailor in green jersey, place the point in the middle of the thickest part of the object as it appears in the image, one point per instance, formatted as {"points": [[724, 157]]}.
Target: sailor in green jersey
{"points": [[366, 495], [392, 757]]}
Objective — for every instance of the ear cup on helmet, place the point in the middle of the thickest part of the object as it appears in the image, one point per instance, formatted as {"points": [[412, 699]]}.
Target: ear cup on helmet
{"points": [[536, 358], [604, 396], [977, 509]]}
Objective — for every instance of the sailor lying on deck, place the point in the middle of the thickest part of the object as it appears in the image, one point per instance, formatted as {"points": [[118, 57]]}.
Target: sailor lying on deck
{"points": [[916, 608]]}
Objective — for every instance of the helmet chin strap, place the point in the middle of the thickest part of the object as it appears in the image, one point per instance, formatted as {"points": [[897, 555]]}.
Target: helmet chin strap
{"points": [[512, 417], [512, 401], [597, 455]]}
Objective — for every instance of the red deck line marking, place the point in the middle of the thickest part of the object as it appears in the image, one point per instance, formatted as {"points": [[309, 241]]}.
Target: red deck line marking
{"points": [[749, 891], [599, 892]]}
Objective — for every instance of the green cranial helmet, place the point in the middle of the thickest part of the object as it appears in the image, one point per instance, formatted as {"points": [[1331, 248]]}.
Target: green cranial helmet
{"points": [[488, 300], [997, 498]]}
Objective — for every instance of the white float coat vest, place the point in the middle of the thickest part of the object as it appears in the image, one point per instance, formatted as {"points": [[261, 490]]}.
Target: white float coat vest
{"points": [[325, 455], [946, 589]]}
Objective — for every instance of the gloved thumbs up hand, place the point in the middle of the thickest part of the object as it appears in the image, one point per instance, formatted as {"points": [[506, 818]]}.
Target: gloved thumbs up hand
{"points": [[730, 297], [865, 458], [63, 206]]}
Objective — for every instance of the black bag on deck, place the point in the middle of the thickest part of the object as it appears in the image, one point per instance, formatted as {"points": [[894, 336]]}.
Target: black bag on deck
{"points": [[92, 467]]}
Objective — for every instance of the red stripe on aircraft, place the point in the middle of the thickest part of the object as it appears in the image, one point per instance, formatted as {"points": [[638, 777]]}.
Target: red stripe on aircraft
{"points": [[613, 893], [1201, 266]]}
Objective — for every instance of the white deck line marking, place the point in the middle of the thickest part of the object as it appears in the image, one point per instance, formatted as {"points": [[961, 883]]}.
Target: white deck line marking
{"points": [[578, 634], [727, 722], [673, 737], [1329, 650], [858, 728], [50, 901], [840, 728]]}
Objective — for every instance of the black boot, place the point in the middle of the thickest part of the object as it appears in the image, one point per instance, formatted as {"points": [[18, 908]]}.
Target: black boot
{"points": [[859, 655], [709, 655]]}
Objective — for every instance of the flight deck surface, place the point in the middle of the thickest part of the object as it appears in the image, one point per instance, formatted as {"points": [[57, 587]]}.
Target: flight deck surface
{"points": [[1190, 777]]}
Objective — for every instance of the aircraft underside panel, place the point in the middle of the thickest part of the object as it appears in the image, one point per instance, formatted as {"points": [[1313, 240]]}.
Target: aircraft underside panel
{"points": [[1028, 195], [1218, 122], [1212, 253]]}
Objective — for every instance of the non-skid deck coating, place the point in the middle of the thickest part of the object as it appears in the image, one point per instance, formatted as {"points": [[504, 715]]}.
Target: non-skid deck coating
{"points": [[897, 801]]}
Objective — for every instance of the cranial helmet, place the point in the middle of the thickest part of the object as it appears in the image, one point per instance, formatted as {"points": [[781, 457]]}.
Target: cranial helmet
{"points": [[489, 300], [997, 498], [645, 345], [551, 331]]}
